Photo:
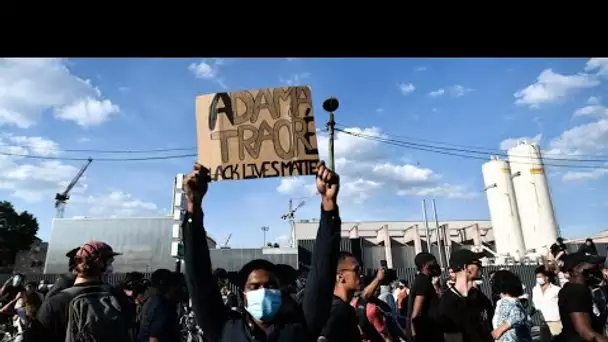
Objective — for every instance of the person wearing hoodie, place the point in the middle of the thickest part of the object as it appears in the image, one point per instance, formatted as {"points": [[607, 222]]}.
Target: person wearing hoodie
{"points": [[260, 286]]}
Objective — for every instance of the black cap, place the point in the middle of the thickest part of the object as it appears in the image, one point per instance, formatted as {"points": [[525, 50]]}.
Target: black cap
{"points": [[575, 259], [423, 258], [460, 258]]}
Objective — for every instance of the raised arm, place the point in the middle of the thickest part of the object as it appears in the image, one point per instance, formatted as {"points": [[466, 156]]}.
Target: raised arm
{"points": [[206, 298], [320, 283]]}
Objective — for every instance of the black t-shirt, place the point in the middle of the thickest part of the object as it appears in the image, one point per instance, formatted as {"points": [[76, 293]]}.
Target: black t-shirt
{"points": [[465, 319], [159, 319], [52, 319], [63, 282], [425, 327], [342, 324], [575, 298]]}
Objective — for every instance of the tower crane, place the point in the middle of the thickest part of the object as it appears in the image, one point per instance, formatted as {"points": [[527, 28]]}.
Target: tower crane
{"points": [[290, 215], [225, 245], [62, 198]]}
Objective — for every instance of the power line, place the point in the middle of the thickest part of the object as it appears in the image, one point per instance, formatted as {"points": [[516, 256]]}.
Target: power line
{"points": [[479, 149], [447, 151], [102, 151], [178, 156]]}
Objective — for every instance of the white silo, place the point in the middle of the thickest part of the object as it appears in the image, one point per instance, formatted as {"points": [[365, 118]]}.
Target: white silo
{"points": [[503, 208], [534, 203]]}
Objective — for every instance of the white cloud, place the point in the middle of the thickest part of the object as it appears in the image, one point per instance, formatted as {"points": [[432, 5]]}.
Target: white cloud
{"points": [[597, 65], [406, 88], [88, 112], [116, 204], [437, 93], [29, 86], [208, 69], [458, 90], [589, 138], [551, 87], [584, 175], [295, 79], [454, 91], [593, 110], [512, 142], [33, 180], [440, 190], [365, 167], [291, 185], [421, 68]]}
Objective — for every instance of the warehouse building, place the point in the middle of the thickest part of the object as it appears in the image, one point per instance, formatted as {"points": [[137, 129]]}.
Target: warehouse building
{"points": [[144, 242], [398, 242]]}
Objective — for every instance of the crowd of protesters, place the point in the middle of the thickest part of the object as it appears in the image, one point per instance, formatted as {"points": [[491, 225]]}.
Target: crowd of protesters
{"points": [[333, 302]]}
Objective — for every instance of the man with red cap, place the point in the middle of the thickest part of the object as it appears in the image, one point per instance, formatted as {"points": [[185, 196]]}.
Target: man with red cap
{"points": [[88, 304]]}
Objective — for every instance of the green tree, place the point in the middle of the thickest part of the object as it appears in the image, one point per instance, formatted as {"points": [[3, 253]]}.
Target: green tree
{"points": [[17, 232]]}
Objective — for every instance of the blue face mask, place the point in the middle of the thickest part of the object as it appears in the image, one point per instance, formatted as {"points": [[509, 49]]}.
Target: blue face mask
{"points": [[263, 304]]}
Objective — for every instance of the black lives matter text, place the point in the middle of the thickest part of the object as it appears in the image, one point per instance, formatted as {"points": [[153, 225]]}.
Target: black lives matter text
{"points": [[244, 138]]}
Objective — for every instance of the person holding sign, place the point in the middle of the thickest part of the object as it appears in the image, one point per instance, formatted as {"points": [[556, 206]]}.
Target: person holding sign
{"points": [[261, 318]]}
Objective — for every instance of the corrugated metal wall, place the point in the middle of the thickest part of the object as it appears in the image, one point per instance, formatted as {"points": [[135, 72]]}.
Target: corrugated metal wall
{"points": [[145, 242], [233, 259]]}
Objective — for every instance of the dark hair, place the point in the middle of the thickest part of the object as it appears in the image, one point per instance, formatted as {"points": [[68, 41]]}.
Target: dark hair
{"points": [[542, 270], [508, 283], [253, 265], [287, 275], [343, 256], [163, 279]]}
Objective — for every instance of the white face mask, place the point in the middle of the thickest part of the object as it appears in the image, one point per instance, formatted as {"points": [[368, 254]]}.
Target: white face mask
{"points": [[478, 282], [540, 281]]}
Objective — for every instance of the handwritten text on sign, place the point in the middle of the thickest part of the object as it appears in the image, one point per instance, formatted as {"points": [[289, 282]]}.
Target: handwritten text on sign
{"points": [[257, 133]]}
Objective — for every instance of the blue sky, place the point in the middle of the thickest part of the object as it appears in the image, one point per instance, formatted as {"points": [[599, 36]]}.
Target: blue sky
{"points": [[52, 105]]}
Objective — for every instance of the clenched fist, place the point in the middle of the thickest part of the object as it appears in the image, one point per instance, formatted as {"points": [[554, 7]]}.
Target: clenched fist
{"points": [[196, 185], [328, 185]]}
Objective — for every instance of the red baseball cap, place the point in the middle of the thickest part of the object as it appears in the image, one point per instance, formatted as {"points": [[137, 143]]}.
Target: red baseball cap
{"points": [[97, 249]]}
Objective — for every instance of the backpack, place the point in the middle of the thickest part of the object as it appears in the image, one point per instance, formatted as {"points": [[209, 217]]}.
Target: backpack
{"points": [[95, 315], [367, 328]]}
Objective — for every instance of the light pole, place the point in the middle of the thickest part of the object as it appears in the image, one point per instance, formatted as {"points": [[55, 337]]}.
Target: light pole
{"points": [[264, 230], [331, 105]]}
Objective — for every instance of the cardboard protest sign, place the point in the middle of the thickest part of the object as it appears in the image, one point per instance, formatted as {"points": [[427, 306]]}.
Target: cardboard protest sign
{"points": [[257, 133]]}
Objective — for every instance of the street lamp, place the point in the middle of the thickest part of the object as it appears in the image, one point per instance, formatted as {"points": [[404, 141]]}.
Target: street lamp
{"points": [[264, 230], [331, 105]]}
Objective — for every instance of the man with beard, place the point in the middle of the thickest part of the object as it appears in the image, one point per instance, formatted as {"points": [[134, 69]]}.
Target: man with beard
{"points": [[575, 301], [463, 314]]}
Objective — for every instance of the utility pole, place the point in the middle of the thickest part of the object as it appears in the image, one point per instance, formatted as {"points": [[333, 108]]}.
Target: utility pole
{"points": [[438, 232], [426, 227], [264, 230], [331, 105]]}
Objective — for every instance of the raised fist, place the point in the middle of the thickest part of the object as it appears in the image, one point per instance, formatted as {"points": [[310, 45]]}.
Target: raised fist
{"points": [[196, 184], [328, 183]]}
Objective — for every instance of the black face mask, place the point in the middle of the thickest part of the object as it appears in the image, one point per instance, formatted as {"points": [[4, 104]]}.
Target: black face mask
{"points": [[434, 270], [593, 276]]}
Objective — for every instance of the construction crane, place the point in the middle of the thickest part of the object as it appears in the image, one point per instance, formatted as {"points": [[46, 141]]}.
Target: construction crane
{"points": [[225, 245], [62, 198], [290, 215]]}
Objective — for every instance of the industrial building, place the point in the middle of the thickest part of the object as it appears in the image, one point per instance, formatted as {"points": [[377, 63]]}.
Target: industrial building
{"points": [[398, 242], [144, 242], [519, 202]]}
